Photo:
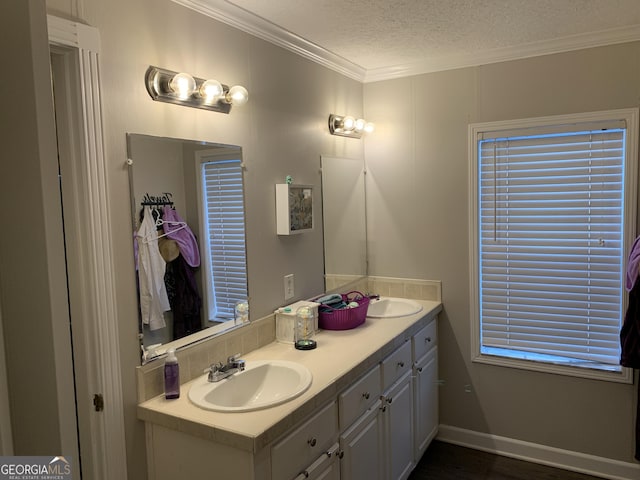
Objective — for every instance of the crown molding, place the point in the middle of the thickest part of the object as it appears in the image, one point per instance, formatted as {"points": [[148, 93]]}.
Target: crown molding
{"points": [[248, 22], [239, 18]]}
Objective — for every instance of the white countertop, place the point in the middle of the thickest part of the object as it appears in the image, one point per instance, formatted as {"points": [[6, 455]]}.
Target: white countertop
{"points": [[341, 357]]}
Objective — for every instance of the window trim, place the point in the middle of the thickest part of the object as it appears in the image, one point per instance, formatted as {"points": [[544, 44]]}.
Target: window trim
{"points": [[475, 131]]}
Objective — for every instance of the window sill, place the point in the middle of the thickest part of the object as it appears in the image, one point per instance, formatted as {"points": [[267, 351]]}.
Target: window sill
{"points": [[572, 368]]}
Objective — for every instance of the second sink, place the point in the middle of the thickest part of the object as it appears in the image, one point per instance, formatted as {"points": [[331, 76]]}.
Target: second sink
{"points": [[261, 385], [385, 307]]}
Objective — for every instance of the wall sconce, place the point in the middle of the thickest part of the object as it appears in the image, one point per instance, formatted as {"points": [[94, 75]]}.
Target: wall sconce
{"points": [[183, 89], [349, 126]]}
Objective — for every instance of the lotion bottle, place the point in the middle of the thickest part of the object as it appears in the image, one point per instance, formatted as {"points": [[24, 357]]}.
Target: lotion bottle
{"points": [[171, 375]]}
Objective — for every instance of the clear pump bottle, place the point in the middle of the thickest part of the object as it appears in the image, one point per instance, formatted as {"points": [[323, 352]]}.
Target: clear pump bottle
{"points": [[171, 375]]}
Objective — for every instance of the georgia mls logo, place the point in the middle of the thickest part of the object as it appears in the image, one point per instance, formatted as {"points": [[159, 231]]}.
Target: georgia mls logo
{"points": [[35, 468], [60, 466]]}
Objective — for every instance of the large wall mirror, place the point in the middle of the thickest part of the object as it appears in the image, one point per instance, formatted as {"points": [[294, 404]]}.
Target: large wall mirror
{"points": [[189, 239], [344, 220]]}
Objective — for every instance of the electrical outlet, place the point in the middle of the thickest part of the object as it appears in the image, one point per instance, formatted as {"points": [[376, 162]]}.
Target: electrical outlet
{"points": [[288, 286]]}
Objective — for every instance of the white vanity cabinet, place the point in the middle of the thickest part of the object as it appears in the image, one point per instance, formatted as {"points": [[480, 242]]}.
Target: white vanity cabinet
{"points": [[307, 445], [376, 428], [397, 411], [425, 386]]}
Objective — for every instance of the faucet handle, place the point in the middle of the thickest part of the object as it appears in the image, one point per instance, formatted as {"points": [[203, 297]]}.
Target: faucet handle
{"points": [[214, 367], [234, 361]]}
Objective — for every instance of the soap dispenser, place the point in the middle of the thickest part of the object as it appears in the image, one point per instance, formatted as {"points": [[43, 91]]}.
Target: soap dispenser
{"points": [[304, 329], [171, 375]]}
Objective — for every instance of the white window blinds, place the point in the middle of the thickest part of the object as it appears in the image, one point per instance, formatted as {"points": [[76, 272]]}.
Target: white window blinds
{"points": [[551, 244], [225, 236]]}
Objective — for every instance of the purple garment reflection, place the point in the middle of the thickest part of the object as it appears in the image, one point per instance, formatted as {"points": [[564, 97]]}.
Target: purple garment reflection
{"points": [[633, 266], [178, 230]]}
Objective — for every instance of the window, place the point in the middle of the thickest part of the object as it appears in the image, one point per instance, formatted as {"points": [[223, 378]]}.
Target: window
{"points": [[553, 212], [224, 231]]}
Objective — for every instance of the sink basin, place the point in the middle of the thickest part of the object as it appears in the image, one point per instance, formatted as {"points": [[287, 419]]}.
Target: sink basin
{"points": [[386, 307], [261, 385]]}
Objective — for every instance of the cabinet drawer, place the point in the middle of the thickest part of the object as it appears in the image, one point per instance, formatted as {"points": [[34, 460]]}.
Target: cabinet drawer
{"points": [[354, 401], [425, 340], [396, 365], [296, 451]]}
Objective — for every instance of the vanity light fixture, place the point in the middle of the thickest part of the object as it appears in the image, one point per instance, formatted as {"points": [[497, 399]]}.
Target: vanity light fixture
{"points": [[347, 126], [183, 89]]}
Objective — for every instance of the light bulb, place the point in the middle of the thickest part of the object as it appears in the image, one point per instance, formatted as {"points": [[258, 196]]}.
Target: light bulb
{"points": [[360, 124], [369, 127], [238, 95], [348, 123], [211, 91], [183, 85]]}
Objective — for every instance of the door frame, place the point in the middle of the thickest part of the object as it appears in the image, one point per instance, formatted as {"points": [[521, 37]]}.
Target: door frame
{"points": [[91, 271], [6, 440]]}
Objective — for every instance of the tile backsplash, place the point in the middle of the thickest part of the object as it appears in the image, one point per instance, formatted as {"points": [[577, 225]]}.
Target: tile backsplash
{"points": [[195, 358]]}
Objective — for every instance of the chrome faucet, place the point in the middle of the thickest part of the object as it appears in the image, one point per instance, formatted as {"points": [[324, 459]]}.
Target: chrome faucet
{"points": [[218, 371]]}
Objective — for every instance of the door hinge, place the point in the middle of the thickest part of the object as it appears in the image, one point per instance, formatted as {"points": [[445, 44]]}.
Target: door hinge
{"points": [[98, 402]]}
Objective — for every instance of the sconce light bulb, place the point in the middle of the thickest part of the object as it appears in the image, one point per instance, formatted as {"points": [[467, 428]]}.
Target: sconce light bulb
{"points": [[211, 91], [359, 125], [348, 123], [238, 95], [369, 127], [183, 85]]}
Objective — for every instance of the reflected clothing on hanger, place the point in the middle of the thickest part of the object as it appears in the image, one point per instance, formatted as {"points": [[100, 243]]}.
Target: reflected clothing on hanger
{"points": [[630, 344], [633, 265], [176, 229], [151, 269], [184, 297]]}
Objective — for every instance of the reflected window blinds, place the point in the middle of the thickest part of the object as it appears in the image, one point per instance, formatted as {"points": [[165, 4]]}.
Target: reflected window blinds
{"points": [[225, 236]]}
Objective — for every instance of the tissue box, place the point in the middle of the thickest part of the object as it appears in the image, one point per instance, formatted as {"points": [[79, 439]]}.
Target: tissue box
{"points": [[285, 321]]}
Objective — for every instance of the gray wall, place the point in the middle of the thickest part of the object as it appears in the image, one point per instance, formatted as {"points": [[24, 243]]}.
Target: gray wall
{"points": [[417, 193]]}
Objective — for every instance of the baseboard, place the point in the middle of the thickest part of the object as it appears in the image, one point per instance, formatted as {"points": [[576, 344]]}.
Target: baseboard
{"points": [[533, 452]]}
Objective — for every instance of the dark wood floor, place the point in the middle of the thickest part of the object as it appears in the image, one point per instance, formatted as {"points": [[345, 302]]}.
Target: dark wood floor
{"points": [[444, 461]]}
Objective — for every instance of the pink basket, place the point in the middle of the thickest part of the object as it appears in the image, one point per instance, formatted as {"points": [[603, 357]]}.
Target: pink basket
{"points": [[330, 318]]}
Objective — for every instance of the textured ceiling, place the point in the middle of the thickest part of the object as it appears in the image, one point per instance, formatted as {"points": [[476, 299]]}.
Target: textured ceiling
{"points": [[383, 33], [386, 34]]}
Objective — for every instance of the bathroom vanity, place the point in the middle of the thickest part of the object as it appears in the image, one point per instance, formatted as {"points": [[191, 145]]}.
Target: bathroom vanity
{"points": [[370, 412]]}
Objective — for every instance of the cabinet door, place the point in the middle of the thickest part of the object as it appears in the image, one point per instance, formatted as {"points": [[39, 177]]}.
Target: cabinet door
{"points": [[399, 434], [360, 447], [426, 401]]}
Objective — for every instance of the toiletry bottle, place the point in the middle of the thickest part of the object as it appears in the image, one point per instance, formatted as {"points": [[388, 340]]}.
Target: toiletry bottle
{"points": [[171, 375]]}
